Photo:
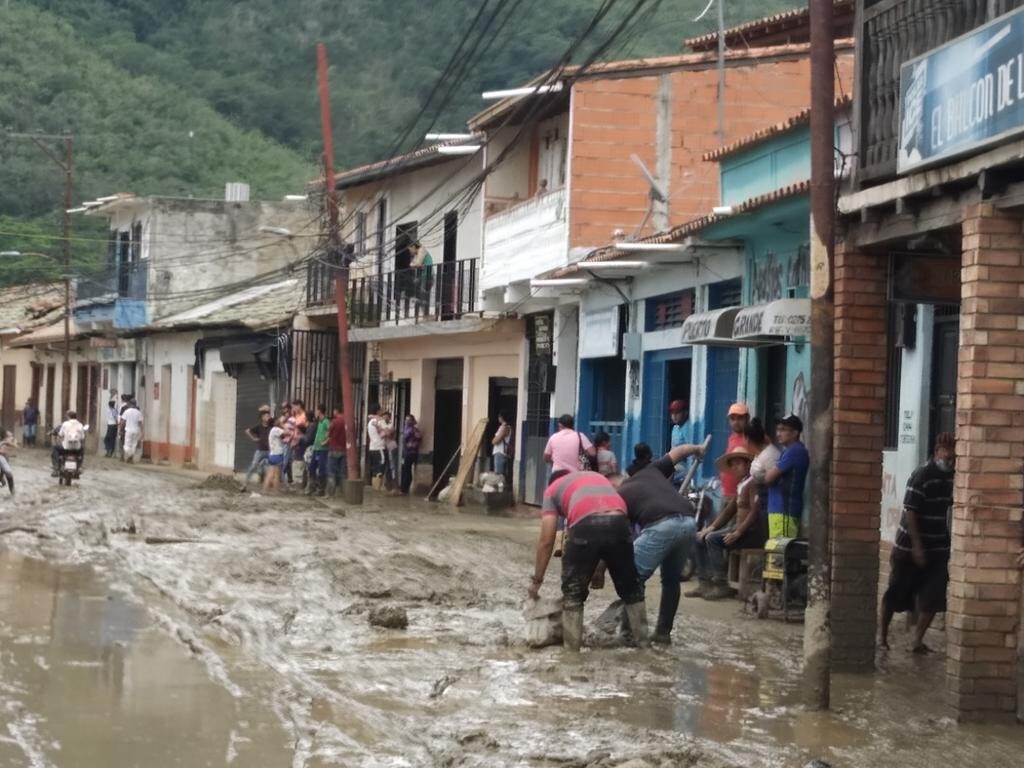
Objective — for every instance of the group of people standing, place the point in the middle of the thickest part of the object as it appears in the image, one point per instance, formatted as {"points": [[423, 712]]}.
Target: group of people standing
{"points": [[390, 471], [638, 522], [123, 436], [294, 445]]}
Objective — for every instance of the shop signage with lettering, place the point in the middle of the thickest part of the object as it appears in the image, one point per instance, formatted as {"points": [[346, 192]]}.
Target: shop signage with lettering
{"points": [[964, 95]]}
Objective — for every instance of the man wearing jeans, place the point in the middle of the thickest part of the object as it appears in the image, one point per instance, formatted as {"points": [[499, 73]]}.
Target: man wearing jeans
{"points": [[667, 530], [337, 449], [598, 529], [259, 434]]}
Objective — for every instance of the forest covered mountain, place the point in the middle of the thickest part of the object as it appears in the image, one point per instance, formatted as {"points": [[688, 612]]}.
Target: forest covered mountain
{"points": [[177, 97]]}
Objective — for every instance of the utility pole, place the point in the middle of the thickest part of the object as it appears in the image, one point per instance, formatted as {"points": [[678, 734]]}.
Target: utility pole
{"points": [[353, 486], [818, 620], [721, 71], [66, 382]]}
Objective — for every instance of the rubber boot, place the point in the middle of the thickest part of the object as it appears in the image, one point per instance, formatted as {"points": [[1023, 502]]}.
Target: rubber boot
{"points": [[332, 487], [636, 613], [572, 629], [702, 588]]}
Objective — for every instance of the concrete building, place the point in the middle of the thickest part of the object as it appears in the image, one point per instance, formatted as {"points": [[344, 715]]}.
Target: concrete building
{"points": [[427, 347], [929, 295], [24, 310], [617, 152], [167, 255]]}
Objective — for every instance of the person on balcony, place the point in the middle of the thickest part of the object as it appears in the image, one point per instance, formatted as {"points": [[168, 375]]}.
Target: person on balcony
{"points": [[423, 264]]}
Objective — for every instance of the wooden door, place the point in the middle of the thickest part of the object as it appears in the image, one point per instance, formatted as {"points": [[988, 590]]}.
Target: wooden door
{"points": [[8, 405]]}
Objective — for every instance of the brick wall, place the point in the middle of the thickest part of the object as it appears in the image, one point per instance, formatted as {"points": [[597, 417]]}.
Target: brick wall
{"points": [[613, 118], [858, 409], [984, 596]]}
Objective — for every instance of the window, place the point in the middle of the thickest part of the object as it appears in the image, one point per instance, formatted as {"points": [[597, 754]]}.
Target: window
{"points": [[361, 246], [669, 310]]}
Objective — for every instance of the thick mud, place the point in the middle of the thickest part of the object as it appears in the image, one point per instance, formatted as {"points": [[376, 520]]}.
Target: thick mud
{"points": [[271, 597]]}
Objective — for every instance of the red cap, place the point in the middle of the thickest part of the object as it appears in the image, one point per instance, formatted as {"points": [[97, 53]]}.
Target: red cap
{"points": [[739, 409], [677, 406]]}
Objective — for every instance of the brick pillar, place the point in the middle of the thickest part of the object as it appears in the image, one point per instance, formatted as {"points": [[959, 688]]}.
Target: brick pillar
{"points": [[984, 595], [858, 410]]}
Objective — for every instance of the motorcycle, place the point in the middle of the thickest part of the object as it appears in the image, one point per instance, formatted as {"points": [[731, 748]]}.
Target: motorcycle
{"points": [[68, 460], [704, 499]]}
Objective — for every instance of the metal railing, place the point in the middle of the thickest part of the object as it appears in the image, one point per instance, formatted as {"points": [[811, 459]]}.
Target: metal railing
{"points": [[126, 281], [893, 32], [445, 291]]}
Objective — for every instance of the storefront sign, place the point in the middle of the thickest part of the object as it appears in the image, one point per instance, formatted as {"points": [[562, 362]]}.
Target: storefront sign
{"points": [[964, 95], [925, 279], [599, 336], [785, 318], [713, 327]]}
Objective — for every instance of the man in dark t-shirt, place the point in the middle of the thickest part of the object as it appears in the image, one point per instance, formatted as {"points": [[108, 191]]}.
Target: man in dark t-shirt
{"points": [[919, 564], [259, 434], [667, 530]]}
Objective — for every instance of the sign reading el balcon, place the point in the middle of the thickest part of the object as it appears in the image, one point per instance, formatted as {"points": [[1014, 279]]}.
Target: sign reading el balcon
{"points": [[964, 95]]}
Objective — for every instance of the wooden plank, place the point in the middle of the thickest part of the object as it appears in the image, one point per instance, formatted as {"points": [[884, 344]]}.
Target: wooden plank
{"points": [[472, 448]]}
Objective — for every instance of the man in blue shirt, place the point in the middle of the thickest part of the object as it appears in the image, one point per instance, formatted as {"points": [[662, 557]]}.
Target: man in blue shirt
{"points": [[786, 482], [682, 434]]}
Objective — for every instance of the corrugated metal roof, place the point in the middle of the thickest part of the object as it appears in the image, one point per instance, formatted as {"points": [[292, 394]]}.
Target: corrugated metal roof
{"points": [[25, 307], [801, 118], [779, 23], [256, 308], [417, 158]]}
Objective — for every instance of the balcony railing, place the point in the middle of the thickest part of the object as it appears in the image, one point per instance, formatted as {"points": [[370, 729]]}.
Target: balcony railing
{"points": [[893, 32], [126, 281], [444, 291]]}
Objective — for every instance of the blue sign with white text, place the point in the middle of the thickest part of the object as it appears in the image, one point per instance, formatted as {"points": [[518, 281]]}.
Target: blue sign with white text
{"points": [[964, 95]]}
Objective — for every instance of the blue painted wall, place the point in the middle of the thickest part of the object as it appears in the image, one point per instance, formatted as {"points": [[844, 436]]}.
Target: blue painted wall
{"points": [[771, 165]]}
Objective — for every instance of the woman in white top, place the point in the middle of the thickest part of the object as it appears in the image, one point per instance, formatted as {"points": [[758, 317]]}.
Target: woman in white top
{"points": [[501, 445], [766, 456], [272, 478]]}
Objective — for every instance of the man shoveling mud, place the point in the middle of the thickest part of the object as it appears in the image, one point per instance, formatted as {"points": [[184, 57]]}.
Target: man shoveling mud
{"points": [[598, 529]]}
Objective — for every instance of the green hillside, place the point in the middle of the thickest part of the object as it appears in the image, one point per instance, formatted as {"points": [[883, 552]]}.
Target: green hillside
{"points": [[177, 97]]}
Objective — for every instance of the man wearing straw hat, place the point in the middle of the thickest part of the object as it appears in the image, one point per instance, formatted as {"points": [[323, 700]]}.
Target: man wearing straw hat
{"points": [[738, 526]]}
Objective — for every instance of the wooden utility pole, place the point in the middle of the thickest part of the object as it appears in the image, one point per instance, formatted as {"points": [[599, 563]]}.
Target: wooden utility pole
{"points": [[818, 620], [353, 487]]}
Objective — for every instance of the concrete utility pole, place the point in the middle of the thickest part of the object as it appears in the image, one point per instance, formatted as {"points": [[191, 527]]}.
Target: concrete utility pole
{"points": [[65, 395], [818, 622], [353, 486]]}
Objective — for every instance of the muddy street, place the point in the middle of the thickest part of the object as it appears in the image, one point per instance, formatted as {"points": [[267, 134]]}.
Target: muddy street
{"points": [[166, 621]]}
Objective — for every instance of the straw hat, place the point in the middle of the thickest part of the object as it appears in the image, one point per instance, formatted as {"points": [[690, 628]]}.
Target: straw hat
{"points": [[739, 452]]}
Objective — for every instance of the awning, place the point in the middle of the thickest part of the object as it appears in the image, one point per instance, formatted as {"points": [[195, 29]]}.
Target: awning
{"points": [[767, 323], [713, 328], [246, 351]]}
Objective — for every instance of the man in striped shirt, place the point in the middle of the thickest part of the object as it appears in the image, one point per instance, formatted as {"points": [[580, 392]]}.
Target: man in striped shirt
{"points": [[597, 529], [919, 564]]}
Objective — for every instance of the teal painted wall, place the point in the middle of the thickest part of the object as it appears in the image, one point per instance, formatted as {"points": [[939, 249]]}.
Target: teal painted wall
{"points": [[766, 167]]}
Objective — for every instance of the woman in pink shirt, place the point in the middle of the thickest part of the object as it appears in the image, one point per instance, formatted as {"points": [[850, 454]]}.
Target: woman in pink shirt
{"points": [[565, 447]]}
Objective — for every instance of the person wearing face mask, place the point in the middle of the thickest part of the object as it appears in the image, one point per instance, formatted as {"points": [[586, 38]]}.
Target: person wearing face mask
{"points": [[919, 564]]}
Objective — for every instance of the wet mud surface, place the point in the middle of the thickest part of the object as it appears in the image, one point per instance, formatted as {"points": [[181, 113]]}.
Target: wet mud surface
{"points": [[255, 614]]}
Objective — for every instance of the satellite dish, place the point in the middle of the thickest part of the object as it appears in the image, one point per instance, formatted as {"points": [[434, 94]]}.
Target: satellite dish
{"points": [[657, 193]]}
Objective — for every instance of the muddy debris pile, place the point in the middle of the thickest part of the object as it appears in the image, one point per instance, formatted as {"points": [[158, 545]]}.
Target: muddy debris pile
{"points": [[219, 482], [389, 617]]}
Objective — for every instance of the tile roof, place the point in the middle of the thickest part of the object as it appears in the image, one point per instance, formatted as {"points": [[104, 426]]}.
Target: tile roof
{"points": [[695, 226], [26, 307], [801, 118], [49, 334], [255, 308], [630, 67], [417, 158], [794, 22]]}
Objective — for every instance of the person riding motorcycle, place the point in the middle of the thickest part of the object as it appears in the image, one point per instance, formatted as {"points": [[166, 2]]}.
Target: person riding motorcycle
{"points": [[69, 439]]}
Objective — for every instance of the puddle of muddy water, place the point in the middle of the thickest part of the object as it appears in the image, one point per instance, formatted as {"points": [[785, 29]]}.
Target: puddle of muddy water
{"points": [[87, 680]]}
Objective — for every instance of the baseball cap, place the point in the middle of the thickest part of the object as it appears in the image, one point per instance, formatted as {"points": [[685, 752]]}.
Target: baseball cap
{"points": [[677, 406], [739, 409], [793, 422]]}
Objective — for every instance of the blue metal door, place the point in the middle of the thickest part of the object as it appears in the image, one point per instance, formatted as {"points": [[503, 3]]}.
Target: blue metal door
{"points": [[723, 382]]}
